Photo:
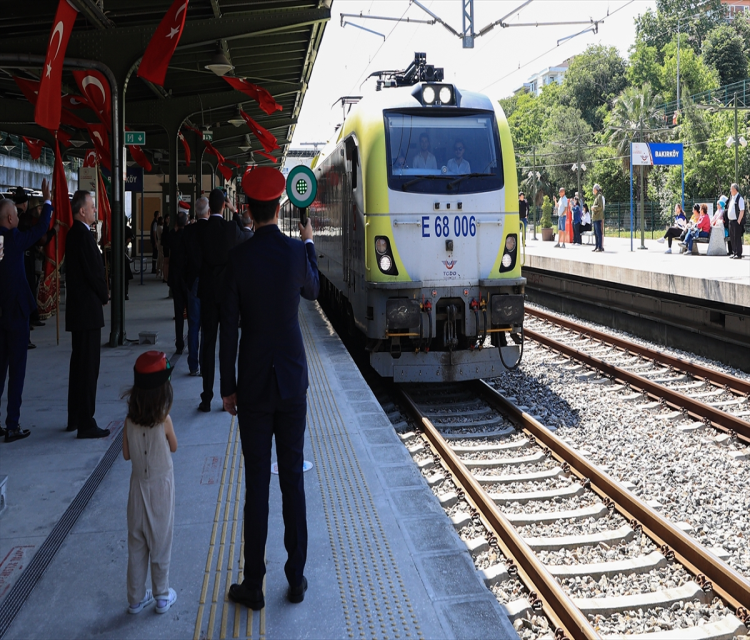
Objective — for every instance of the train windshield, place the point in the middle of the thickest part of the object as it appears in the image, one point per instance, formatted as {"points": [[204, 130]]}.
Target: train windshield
{"points": [[444, 152]]}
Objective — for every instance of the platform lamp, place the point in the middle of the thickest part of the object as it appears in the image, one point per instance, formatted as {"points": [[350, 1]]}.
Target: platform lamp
{"points": [[219, 64], [8, 144], [79, 140]]}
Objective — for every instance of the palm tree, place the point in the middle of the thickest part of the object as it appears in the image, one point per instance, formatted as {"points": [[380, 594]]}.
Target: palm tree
{"points": [[535, 185], [636, 116]]}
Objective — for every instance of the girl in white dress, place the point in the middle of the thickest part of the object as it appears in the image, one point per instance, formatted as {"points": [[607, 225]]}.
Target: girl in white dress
{"points": [[149, 441]]}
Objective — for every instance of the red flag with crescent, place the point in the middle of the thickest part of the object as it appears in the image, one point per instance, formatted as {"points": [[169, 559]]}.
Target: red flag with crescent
{"points": [[213, 150], [161, 47], [225, 171], [264, 99], [267, 155], [99, 137], [90, 159], [266, 138], [61, 211], [48, 106], [75, 102], [185, 148], [137, 154], [104, 211], [35, 146], [95, 87], [30, 89]]}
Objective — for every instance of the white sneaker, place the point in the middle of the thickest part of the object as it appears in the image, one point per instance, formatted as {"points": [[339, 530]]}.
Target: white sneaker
{"points": [[668, 250], [660, 240], [163, 604], [148, 599]]}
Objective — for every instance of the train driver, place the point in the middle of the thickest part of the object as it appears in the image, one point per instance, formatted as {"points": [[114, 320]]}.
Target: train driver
{"points": [[424, 159], [457, 164]]}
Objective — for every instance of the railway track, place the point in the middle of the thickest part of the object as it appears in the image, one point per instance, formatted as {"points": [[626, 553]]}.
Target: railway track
{"points": [[681, 390], [597, 561]]}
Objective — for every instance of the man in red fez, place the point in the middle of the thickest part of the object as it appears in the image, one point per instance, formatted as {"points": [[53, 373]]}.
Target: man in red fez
{"points": [[265, 277]]}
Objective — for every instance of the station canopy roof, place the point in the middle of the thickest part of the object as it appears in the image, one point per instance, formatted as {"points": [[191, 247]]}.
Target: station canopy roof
{"points": [[271, 43]]}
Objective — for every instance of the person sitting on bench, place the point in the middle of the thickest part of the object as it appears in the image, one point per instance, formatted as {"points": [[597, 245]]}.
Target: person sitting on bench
{"points": [[677, 229], [702, 229]]}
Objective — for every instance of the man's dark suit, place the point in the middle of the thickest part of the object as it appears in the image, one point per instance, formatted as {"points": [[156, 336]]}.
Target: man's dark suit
{"points": [[86, 293], [16, 304], [216, 239], [190, 276], [265, 277], [177, 263]]}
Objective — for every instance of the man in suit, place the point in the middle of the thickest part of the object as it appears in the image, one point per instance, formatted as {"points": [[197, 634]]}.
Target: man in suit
{"points": [[190, 276], [177, 259], [86, 294], [265, 277], [16, 304], [217, 238]]}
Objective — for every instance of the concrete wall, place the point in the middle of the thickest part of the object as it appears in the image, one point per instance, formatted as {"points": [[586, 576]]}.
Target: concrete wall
{"points": [[15, 172]]}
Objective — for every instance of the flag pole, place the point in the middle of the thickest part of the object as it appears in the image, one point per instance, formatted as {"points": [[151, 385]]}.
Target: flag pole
{"points": [[57, 289]]}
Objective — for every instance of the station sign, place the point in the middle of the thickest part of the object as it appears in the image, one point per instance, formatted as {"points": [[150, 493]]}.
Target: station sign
{"points": [[208, 136], [134, 179], [87, 179], [135, 137], [301, 186], [656, 153]]}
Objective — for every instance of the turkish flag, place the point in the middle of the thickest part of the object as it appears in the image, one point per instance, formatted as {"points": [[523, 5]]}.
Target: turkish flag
{"points": [[95, 87], [75, 102], [99, 137], [266, 138], [31, 88], [90, 159], [48, 106], [225, 171], [161, 47], [61, 211], [137, 154], [105, 212], [213, 150], [63, 137], [185, 147], [264, 99], [35, 146], [267, 155]]}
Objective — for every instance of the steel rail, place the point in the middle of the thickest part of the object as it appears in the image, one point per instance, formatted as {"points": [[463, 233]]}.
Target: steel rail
{"points": [[556, 604], [725, 581], [716, 377], [676, 399]]}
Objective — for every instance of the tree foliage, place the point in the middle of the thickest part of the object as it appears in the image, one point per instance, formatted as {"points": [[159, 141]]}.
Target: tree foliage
{"points": [[723, 50], [594, 78]]}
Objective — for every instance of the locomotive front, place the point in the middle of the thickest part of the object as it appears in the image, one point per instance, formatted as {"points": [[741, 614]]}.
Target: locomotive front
{"points": [[420, 193]]}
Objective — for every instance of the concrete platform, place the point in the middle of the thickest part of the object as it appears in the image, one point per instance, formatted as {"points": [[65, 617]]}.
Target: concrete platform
{"points": [[714, 278], [383, 559]]}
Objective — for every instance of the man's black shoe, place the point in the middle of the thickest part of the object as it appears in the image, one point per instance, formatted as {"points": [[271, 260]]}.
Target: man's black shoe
{"points": [[32, 345], [251, 598], [3, 431], [11, 435], [96, 432], [71, 427], [179, 350], [204, 406], [296, 595]]}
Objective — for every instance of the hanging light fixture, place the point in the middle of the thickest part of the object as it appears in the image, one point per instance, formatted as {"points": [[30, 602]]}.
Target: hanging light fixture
{"points": [[245, 147], [79, 140], [237, 121], [8, 144], [219, 64]]}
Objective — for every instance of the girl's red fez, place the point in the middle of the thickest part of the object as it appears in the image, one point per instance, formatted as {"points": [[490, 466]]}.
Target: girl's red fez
{"points": [[152, 369], [263, 184]]}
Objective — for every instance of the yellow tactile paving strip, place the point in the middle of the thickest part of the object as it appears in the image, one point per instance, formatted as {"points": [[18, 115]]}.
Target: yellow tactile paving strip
{"points": [[225, 560], [374, 600], [373, 596]]}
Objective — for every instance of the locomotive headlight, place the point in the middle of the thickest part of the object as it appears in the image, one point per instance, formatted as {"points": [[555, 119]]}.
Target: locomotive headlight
{"points": [[428, 95], [381, 246], [446, 95], [507, 260], [385, 263], [510, 243]]}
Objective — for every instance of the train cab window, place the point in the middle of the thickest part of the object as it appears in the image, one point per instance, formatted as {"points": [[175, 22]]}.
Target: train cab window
{"points": [[353, 157], [450, 152]]}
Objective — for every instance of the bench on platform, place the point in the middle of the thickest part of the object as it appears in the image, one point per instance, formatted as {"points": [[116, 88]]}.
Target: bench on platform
{"points": [[716, 243], [589, 235]]}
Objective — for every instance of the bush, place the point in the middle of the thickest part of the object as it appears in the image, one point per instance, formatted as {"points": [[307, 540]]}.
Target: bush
{"points": [[546, 221]]}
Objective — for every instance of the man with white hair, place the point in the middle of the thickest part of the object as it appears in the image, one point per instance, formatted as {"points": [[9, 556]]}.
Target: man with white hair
{"points": [[190, 276], [736, 217], [16, 304]]}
